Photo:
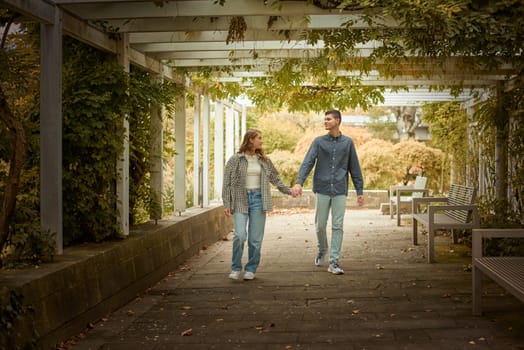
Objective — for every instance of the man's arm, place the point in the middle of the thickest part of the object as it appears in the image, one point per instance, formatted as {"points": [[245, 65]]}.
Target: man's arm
{"points": [[356, 174], [307, 164]]}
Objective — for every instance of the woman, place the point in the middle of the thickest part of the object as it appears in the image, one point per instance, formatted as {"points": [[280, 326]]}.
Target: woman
{"points": [[247, 196]]}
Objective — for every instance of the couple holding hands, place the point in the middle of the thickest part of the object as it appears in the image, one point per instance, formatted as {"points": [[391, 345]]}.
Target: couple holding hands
{"points": [[246, 193]]}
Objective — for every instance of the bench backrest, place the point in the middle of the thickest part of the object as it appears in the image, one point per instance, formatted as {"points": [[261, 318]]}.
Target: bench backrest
{"points": [[460, 195], [420, 183]]}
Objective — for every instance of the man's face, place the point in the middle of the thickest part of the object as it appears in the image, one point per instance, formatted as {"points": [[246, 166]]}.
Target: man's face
{"points": [[330, 122]]}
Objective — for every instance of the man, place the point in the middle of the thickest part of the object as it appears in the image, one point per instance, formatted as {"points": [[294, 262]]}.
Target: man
{"points": [[334, 157]]}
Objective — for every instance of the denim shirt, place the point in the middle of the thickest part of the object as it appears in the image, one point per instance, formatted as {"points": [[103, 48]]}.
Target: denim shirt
{"points": [[334, 159]]}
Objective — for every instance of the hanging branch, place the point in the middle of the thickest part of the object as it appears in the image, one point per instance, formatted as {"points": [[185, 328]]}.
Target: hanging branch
{"points": [[237, 28]]}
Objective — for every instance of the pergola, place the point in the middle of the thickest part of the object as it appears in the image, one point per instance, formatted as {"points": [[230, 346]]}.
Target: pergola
{"points": [[161, 36]]}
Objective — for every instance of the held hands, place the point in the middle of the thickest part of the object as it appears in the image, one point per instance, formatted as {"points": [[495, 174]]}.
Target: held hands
{"points": [[360, 200], [296, 190], [227, 211]]}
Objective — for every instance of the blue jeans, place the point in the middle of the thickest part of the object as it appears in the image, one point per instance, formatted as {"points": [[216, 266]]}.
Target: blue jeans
{"points": [[337, 205], [255, 222]]}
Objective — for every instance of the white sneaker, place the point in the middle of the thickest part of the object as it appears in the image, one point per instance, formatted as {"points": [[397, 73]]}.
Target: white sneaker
{"points": [[335, 269], [234, 275], [319, 260], [249, 275]]}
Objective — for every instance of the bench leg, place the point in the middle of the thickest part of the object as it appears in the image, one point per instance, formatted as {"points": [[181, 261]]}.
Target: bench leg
{"points": [[390, 209], [476, 290], [398, 214], [431, 244], [454, 236], [415, 228]]}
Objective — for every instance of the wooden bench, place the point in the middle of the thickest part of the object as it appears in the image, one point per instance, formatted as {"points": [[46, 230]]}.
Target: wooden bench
{"points": [[457, 211], [507, 271], [397, 195]]}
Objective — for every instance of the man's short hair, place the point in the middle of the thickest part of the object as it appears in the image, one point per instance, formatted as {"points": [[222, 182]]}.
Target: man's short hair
{"points": [[335, 113]]}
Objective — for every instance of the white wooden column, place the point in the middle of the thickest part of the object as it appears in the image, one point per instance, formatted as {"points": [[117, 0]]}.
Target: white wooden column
{"points": [[219, 150], [156, 181], [205, 151], [196, 153], [51, 202], [243, 122], [122, 162], [238, 137], [230, 133], [180, 157], [469, 144]]}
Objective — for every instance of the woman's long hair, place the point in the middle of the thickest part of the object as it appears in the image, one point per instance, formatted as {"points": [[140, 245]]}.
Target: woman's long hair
{"points": [[247, 145]]}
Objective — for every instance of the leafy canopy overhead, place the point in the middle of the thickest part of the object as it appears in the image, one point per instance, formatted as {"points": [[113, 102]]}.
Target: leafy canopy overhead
{"points": [[416, 36]]}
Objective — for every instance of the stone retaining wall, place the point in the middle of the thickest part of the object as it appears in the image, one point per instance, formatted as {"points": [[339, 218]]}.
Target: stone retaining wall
{"points": [[88, 282]]}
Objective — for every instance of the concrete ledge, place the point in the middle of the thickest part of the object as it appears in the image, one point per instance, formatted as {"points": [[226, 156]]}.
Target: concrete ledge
{"points": [[88, 282], [372, 199]]}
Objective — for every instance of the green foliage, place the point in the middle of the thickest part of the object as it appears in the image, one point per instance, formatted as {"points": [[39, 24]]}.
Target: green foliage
{"points": [[144, 94], [477, 34], [203, 82], [448, 125], [379, 163], [287, 164], [13, 311], [412, 153], [289, 88], [280, 132], [95, 103], [490, 216], [26, 243]]}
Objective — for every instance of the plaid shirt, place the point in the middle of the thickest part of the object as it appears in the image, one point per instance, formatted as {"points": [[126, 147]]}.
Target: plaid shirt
{"points": [[234, 187]]}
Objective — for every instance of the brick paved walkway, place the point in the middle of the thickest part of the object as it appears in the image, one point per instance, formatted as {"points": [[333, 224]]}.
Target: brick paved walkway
{"points": [[389, 298]]}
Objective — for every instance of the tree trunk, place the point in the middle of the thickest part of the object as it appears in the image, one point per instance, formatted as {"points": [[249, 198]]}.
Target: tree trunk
{"points": [[17, 133]]}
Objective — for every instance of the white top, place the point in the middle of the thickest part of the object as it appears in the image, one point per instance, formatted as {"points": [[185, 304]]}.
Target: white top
{"points": [[253, 172]]}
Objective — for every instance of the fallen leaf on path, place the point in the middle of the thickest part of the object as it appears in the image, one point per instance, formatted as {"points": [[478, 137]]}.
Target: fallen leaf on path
{"points": [[187, 332], [186, 307]]}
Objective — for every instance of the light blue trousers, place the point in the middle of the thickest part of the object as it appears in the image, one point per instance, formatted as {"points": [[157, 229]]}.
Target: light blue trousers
{"points": [[337, 206], [249, 226]]}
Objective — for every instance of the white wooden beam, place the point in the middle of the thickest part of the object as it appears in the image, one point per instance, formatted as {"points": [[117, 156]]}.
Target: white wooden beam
{"points": [[203, 8], [180, 154], [38, 10], [206, 155], [253, 22], [219, 150], [196, 151]]}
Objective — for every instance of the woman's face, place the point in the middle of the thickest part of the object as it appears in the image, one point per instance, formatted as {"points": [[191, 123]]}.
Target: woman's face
{"points": [[256, 142]]}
